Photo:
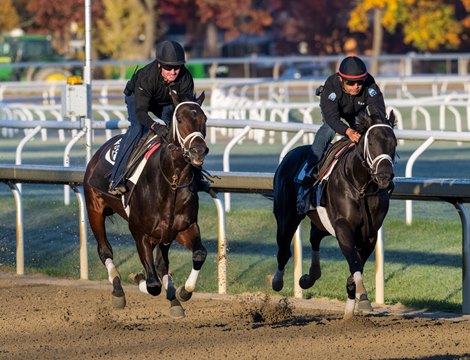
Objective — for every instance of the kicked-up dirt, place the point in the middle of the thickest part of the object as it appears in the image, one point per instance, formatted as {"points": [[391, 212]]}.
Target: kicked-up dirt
{"points": [[49, 318]]}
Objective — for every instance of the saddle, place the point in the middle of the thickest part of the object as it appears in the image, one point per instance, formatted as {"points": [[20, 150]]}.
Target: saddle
{"points": [[308, 198], [335, 152]]}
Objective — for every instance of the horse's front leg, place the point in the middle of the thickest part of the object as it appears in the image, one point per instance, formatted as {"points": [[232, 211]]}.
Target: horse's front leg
{"points": [[191, 239], [361, 292], [152, 284], [163, 263], [354, 286]]}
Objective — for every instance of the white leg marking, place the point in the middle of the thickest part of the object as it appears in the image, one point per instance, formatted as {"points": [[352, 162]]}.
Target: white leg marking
{"points": [[143, 287], [167, 282], [112, 271], [349, 308], [190, 284], [360, 288]]}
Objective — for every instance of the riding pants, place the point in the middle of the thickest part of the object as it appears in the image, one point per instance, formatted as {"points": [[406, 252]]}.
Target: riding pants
{"points": [[323, 137], [134, 133]]}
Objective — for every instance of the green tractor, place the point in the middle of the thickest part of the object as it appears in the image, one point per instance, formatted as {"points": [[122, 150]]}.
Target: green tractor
{"points": [[30, 49]]}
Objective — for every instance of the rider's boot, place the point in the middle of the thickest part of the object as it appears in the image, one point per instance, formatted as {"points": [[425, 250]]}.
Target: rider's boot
{"points": [[117, 188], [311, 175]]}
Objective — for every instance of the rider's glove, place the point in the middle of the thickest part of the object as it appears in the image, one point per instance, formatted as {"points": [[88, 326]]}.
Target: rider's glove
{"points": [[160, 130]]}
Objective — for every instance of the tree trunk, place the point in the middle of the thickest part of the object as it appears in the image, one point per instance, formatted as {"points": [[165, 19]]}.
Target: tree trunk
{"points": [[376, 42]]}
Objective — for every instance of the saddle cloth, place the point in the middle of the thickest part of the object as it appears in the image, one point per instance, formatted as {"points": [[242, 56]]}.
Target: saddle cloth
{"points": [[136, 164]]}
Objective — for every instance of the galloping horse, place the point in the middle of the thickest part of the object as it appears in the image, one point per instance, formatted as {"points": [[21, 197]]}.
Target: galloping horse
{"points": [[163, 206], [354, 203]]}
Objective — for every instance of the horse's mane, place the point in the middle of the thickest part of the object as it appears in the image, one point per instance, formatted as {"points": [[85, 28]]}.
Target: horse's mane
{"points": [[370, 116]]}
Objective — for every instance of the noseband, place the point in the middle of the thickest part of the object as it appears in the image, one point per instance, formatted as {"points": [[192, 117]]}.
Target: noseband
{"points": [[373, 163], [190, 137]]}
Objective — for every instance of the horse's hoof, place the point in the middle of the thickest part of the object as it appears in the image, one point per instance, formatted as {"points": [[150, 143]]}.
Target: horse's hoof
{"points": [[176, 310], [306, 281], [278, 280], [182, 294], [119, 302], [348, 316], [364, 306]]}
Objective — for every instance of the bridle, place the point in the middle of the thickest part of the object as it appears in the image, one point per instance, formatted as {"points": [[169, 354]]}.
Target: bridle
{"points": [[184, 146], [373, 163], [188, 140]]}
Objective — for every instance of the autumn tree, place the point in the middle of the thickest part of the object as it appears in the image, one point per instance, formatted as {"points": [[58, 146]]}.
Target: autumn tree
{"points": [[426, 24], [118, 32], [206, 16], [8, 16], [319, 24], [56, 17]]}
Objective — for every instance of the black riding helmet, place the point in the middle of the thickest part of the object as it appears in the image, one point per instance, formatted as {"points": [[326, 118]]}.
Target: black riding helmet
{"points": [[170, 53], [353, 68]]}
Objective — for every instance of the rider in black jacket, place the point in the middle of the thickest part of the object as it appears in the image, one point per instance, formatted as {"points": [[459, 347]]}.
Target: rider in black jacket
{"points": [[149, 91], [343, 96]]}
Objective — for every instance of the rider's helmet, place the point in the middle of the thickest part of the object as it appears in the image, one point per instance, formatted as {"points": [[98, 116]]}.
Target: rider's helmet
{"points": [[352, 68], [170, 53]]}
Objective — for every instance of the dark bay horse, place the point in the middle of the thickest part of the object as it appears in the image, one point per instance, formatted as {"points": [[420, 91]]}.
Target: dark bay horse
{"points": [[163, 206], [354, 204]]}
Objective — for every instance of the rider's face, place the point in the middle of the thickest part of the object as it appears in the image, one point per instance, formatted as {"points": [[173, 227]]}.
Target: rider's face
{"points": [[169, 73], [352, 87]]}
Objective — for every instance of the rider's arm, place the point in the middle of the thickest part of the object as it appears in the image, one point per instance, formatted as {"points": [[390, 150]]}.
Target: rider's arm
{"points": [[329, 105]]}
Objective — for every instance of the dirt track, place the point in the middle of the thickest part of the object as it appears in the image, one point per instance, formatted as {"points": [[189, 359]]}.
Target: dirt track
{"points": [[46, 318]]}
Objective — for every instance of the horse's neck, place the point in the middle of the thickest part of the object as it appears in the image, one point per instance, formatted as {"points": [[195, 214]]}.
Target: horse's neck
{"points": [[173, 163], [354, 168]]}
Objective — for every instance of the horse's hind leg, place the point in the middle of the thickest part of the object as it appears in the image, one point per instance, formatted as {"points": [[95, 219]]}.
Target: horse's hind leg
{"points": [[97, 212], [287, 224], [191, 239], [306, 281]]}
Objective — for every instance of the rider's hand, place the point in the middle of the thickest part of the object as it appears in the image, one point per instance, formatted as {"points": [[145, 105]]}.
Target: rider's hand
{"points": [[353, 135], [160, 130]]}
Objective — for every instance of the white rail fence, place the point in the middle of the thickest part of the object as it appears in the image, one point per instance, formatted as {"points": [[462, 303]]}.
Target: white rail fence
{"points": [[454, 191], [238, 130]]}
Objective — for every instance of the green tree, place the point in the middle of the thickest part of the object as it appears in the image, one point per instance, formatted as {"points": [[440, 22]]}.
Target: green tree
{"points": [[426, 24], [9, 18]]}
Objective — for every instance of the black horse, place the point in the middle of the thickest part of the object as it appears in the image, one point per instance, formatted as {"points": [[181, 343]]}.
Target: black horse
{"points": [[163, 206], [353, 204]]}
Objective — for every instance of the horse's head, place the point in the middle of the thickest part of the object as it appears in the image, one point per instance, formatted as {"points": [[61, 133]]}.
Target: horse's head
{"points": [[188, 128], [378, 144]]}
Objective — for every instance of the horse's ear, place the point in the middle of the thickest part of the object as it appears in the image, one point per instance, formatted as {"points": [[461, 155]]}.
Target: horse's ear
{"points": [[391, 119], [201, 98], [174, 97]]}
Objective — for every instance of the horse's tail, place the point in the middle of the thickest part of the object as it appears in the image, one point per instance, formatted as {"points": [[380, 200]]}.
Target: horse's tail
{"points": [[284, 185]]}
